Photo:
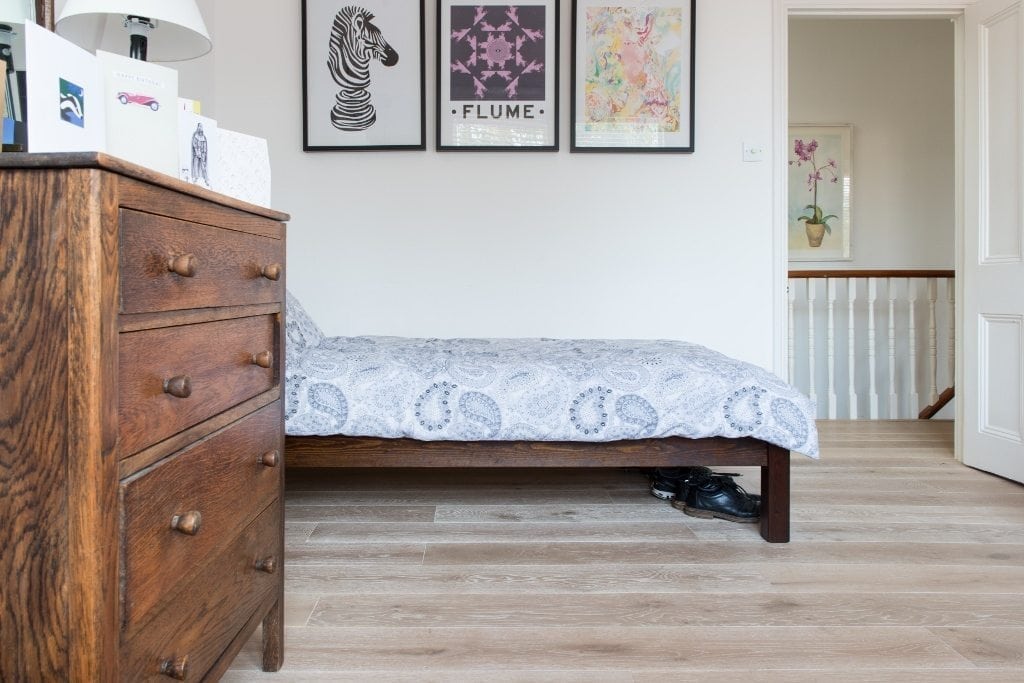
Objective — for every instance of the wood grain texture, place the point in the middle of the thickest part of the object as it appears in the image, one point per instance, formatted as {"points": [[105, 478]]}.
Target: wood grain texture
{"points": [[33, 429], [140, 181], [60, 599], [200, 623], [321, 451], [92, 426], [226, 265], [219, 477], [913, 582], [473, 652], [217, 356], [44, 13]]}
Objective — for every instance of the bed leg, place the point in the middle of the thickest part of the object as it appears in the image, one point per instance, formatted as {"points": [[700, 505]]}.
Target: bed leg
{"points": [[775, 496]]}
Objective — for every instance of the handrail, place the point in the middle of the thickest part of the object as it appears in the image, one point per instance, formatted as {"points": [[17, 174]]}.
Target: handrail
{"points": [[798, 274], [928, 412]]}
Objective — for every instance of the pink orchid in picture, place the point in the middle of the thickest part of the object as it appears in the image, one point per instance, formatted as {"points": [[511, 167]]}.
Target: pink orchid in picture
{"points": [[805, 154]]}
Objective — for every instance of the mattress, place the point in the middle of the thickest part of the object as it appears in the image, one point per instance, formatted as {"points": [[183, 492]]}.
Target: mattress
{"points": [[533, 389]]}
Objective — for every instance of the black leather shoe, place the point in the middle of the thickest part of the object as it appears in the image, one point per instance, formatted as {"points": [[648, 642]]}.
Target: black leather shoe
{"points": [[717, 496], [666, 482]]}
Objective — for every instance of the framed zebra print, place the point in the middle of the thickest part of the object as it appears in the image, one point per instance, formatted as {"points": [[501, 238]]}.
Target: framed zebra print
{"points": [[632, 76], [363, 75], [497, 75]]}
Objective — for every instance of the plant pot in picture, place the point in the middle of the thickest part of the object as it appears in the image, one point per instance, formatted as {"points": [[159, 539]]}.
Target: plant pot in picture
{"points": [[815, 220], [815, 233]]}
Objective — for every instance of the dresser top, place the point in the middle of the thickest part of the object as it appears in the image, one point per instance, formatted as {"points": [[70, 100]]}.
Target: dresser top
{"points": [[98, 160]]}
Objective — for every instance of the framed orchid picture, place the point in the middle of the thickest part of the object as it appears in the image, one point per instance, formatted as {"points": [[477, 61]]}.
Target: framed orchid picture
{"points": [[633, 76], [497, 76], [820, 172], [363, 75]]}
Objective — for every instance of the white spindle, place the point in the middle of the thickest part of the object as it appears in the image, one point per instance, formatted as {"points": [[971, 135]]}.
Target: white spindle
{"points": [[873, 388], [827, 368], [914, 397], [951, 295], [830, 292], [811, 296], [851, 297], [893, 399], [791, 295], [933, 342]]}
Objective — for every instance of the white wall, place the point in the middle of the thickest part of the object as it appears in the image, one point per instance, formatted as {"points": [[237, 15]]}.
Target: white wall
{"points": [[893, 79], [522, 244]]}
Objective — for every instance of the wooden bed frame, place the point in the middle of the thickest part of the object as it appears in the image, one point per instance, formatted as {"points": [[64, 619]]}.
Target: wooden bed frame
{"points": [[718, 452]]}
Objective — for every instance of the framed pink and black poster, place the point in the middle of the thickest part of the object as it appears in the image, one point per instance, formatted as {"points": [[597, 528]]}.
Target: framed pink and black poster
{"points": [[497, 76]]}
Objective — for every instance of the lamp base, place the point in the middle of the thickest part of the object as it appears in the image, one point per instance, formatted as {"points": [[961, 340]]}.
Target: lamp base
{"points": [[139, 27], [138, 47]]}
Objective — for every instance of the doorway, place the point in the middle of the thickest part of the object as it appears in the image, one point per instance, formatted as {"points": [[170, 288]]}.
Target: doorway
{"points": [[872, 147]]}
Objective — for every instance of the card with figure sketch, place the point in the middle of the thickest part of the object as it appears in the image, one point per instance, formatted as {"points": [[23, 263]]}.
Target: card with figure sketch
{"points": [[197, 146]]}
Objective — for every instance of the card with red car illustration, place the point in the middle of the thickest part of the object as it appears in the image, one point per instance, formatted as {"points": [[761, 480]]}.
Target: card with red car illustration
{"points": [[142, 121]]}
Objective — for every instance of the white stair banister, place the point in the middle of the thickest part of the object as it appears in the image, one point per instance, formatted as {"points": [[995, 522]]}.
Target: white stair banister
{"points": [[811, 348], [913, 396], [830, 292], [872, 374], [904, 339], [851, 328], [893, 398], [951, 295], [791, 295], [933, 344]]}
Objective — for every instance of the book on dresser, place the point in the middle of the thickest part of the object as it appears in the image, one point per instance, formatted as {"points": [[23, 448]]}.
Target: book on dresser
{"points": [[141, 423]]}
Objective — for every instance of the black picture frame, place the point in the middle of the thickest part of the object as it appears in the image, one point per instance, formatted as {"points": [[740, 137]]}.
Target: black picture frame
{"points": [[510, 104], [396, 101], [632, 103]]}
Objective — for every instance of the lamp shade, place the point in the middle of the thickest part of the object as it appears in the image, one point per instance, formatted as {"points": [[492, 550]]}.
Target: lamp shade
{"points": [[180, 32], [16, 11]]}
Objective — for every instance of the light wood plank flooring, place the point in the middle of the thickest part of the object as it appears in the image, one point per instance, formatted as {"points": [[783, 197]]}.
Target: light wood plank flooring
{"points": [[904, 566]]}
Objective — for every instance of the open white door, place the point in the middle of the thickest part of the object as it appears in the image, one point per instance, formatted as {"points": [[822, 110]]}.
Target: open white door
{"points": [[993, 273]]}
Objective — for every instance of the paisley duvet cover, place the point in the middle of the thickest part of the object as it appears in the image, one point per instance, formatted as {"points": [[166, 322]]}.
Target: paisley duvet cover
{"points": [[532, 390]]}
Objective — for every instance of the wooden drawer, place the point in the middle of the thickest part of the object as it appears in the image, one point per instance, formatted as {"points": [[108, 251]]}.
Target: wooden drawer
{"points": [[210, 491], [174, 377], [192, 631], [217, 267]]}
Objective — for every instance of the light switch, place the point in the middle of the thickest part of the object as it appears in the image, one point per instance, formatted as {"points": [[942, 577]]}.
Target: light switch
{"points": [[753, 152]]}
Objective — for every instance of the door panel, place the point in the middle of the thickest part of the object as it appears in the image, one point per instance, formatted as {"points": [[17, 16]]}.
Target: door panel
{"points": [[993, 274]]}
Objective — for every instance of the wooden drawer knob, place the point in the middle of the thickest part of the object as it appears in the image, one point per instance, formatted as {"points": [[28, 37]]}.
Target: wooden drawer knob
{"points": [[183, 265], [175, 667], [187, 523], [264, 359], [179, 387], [267, 564], [272, 272], [270, 459]]}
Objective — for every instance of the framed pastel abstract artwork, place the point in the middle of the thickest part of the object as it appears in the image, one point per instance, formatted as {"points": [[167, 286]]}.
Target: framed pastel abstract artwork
{"points": [[633, 76], [820, 172], [363, 75], [497, 76]]}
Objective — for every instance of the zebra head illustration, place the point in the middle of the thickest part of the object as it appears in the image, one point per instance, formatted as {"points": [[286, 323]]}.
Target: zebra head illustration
{"points": [[355, 40]]}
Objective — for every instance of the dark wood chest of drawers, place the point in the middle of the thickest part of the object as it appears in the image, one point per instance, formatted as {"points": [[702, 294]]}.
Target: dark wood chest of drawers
{"points": [[141, 424]]}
